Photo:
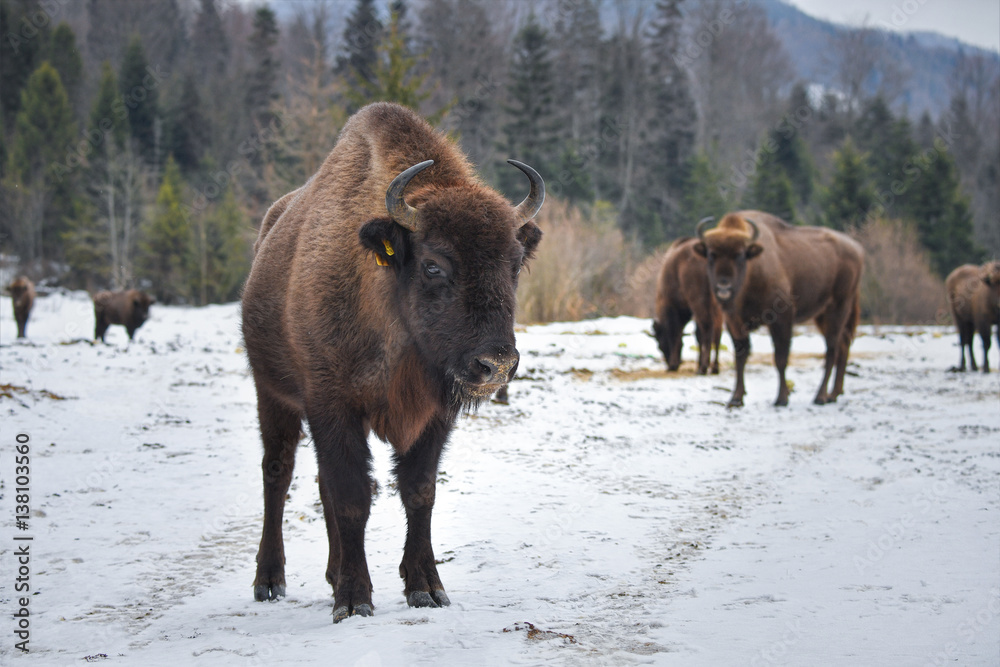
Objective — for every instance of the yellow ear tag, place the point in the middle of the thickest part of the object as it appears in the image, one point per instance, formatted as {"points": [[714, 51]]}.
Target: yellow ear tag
{"points": [[388, 248], [380, 261]]}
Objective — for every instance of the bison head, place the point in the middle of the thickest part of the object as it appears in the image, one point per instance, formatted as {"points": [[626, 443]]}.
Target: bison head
{"points": [[140, 306], [456, 257], [990, 273], [727, 251], [669, 336]]}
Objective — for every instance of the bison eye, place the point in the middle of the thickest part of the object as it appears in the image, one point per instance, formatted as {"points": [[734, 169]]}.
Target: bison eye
{"points": [[432, 270]]}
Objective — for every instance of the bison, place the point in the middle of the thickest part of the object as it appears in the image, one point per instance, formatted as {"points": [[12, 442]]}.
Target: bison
{"points": [[974, 297], [683, 292], [22, 294], [129, 308], [381, 299], [765, 271]]}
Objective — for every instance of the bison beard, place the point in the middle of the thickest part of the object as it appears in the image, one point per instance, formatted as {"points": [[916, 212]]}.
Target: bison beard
{"points": [[365, 311]]}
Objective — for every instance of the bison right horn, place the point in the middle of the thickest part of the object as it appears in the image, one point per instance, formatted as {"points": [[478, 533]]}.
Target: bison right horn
{"points": [[402, 213], [756, 230], [700, 229], [528, 208]]}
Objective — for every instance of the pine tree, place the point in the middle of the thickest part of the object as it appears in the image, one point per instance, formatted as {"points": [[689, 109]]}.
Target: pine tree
{"points": [[187, 133], [65, 57], [702, 196], [231, 241], [44, 127], [22, 45], [941, 212], [531, 131], [141, 98], [262, 81], [168, 241], [772, 192], [850, 198], [209, 43], [362, 36]]}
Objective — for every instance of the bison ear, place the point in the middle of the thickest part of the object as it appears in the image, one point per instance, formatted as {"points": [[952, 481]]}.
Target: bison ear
{"points": [[528, 235], [700, 249], [387, 240], [754, 249]]}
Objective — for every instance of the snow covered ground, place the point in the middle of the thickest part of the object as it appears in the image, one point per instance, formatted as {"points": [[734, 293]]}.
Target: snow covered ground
{"points": [[612, 514]]}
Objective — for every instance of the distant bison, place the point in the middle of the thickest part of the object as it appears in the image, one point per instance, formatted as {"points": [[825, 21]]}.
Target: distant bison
{"points": [[381, 299], [682, 293], [765, 271], [129, 308], [974, 297], [22, 294]]}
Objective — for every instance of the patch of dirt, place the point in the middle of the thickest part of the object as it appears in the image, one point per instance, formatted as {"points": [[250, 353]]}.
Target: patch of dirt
{"points": [[9, 391], [539, 634]]}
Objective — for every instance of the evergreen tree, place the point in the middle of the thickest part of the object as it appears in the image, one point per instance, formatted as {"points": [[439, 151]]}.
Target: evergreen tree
{"points": [[941, 213], [65, 57], [702, 195], [772, 192], [230, 242], [393, 77], [671, 127], [789, 153], [262, 82], [849, 199], [530, 131], [187, 132], [889, 147], [209, 43], [168, 241], [22, 45], [362, 36], [141, 98], [44, 127]]}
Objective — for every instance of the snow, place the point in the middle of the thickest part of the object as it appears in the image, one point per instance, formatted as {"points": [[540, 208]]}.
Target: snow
{"points": [[612, 514]]}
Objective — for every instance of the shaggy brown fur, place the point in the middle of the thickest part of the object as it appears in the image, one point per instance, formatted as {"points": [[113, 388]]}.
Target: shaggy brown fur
{"points": [[355, 338], [788, 275], [22, 294], [683, 292], [129, 308], [974, 297]]}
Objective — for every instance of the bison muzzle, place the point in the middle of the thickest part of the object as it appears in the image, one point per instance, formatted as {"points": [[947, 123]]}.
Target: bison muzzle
{"points": [[381, 299]]}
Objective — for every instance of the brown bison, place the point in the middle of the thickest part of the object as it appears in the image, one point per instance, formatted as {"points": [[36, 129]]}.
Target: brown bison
{"points": [[367, 311], [22, 294], [129, 308], [974, 297], [683, 292], [765, 271]]}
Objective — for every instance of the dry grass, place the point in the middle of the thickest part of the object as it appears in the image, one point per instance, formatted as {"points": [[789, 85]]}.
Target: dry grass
{"points": [[898, 286], [585, 268]]}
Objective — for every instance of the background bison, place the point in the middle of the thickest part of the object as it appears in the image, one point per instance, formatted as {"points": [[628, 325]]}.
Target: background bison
{"points": [[974, 298], [22, 294], [764, 271], [367, 312], [129, 308], [683, 293]]}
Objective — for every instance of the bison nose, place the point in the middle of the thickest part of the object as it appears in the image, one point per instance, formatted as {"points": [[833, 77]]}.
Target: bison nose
{"points": [[495, 368]]}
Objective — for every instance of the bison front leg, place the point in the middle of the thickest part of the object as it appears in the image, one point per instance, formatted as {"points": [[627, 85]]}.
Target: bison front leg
{"points": [[279, 429], [416, 475], [344, 462], [781, 337], [741, 350], [984, 335]]}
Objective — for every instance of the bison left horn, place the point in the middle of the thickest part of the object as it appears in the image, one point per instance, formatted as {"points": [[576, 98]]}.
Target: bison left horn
{"points": [[528, 208], [700, 229], [402, 213]]}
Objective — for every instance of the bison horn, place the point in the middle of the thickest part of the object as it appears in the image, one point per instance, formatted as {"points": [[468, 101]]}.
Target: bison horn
{"points": [[533, 202], [756, 230], [700, 229], [402, 213]]}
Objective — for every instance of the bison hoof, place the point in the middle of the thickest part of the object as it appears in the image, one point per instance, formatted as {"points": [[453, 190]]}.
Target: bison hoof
{"points": [[436, 598], [262, 592], [781, 403], [735, 403], [342, 612]]}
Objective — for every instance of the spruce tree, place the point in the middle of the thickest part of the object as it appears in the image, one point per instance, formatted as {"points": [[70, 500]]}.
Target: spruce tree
{"points": [[849, 199], [187, 132], [362, 36], [168, 241], [209, 43], [702, 196], [141, 98], [262, 81], [65, 57], [43, 129], [530, 130], [22, 46]]}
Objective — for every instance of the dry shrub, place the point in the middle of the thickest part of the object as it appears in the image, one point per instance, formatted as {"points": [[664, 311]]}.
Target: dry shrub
{"points": [[899, 286], [584, 268]]}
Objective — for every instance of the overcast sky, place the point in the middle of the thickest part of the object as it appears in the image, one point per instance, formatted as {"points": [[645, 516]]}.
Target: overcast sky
{"points": [[973, 21]]}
